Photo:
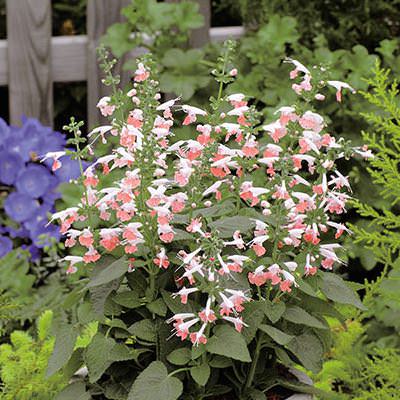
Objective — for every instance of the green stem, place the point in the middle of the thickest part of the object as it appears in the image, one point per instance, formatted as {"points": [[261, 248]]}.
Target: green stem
{"points": [[250, 376], [177, 371]]}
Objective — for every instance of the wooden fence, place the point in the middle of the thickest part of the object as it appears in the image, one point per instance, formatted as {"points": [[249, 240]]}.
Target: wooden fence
{"points": [[31, 59]]}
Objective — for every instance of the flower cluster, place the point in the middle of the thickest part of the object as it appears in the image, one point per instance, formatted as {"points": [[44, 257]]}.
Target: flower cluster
{"points": [[29, 187], [240, 210]]}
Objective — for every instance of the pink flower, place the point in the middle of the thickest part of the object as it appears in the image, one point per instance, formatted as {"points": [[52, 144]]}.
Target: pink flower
{"points": [[105, 107]]}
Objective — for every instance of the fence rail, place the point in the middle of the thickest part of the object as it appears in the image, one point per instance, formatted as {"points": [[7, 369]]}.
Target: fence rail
{"points": [[31, 59]]}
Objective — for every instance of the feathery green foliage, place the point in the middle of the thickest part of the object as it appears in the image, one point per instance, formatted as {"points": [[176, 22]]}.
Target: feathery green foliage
{"points": [[23, 365]]}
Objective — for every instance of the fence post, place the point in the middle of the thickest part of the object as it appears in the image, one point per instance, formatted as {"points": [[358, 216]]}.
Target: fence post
{"points": [[29, 60], [100, 15]]}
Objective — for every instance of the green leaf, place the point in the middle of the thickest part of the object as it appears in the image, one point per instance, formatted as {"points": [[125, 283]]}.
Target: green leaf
{"points": [[155, 384], [229, 343], [76, 391], [308, 349], [216, 211], [128, 299], [63, 348], [157, 307], [280, 337], [180, 356], [113, 271], [144, 329], [274, 311], [184, 73], [257, 395], [253, 314], [117, 38], [227, 226], [335, 288], [220, 362], [97, 356], [297, 315], [201, 374]]}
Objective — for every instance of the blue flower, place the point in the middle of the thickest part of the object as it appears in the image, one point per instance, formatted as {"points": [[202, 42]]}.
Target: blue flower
{"points": [[69, 170], [39, 219], [20, 207], [6, 245], [10, 166], [34, 181], [41, 235]]}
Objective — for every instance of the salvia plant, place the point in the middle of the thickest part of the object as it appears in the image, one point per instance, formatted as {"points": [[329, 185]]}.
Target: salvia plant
{"points": [[209, 260]]}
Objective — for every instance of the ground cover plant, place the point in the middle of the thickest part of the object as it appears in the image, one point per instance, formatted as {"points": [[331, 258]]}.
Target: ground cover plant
{"points": [[212, 257]]}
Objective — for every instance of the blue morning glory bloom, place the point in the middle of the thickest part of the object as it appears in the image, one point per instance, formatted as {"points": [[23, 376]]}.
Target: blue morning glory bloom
{"points": [[6, 245], [34, 180], [20, 207], [10, 166]]}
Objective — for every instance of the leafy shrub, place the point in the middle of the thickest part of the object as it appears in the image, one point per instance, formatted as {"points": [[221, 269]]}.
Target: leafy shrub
{"points": [[190, 231], [23, 365], [343, 23]]}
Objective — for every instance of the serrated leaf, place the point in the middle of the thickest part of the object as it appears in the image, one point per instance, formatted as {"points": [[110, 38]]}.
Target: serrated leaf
{"points": [[277, 335], [99, 295], [144, 329], [308, 349], [274, 311], [97, 356], [200, 374], [155, 384], [229, 343], [335, 288], [180, 356], [297, 315], [63, 348], [227, 226], [220, 362], [157, 307], [76, 391], [253, 315], [127, 299], [113, 271]]}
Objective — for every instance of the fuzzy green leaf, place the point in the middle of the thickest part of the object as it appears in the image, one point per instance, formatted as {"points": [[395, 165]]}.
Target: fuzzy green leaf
{"points": [[227, 342], [180, 356], [64, 346], [297, 315], [113, 271], [335, 288], [155, 384], [200, 374], [280, 337]]}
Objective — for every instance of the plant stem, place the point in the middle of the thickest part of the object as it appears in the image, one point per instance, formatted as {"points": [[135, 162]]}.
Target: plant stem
{"points": [[254, 362]]}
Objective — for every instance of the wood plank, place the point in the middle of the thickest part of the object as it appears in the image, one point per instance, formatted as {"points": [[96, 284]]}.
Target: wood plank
{"points": [[199, 37], [226, 32], [29, 52], [100, 15]]}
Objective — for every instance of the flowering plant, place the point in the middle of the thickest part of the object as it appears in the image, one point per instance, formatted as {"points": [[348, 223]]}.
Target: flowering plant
{"points": [[230, 237], [29, 189]]}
